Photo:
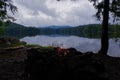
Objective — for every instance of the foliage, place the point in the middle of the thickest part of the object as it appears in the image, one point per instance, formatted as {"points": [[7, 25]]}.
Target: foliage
{"points": [[90, 31], [5, 7], [114, 8], [1, 30], [104, 9], [6, 42], [19, 31]]}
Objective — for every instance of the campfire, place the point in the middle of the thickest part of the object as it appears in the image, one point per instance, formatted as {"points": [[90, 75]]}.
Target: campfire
{"points": [[62, 51], [60, 48]]}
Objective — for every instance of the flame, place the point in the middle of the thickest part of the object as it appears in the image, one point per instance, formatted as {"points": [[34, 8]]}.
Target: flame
{"points": [[62, 51]]}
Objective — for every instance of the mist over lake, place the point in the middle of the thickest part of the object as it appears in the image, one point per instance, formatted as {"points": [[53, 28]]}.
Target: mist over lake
{"points": [[80, 43]]}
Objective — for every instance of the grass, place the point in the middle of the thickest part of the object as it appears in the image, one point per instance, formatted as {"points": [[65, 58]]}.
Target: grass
{"points": [[42, 49], [38, 46], [26, 45], [32, 45], [16, 43]]}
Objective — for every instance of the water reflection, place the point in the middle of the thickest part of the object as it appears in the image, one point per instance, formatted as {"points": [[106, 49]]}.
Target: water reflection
{"points": [[80, 43]]}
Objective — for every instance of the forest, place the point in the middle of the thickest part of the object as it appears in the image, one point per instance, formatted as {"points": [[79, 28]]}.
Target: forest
{"points": [[89, 31]]}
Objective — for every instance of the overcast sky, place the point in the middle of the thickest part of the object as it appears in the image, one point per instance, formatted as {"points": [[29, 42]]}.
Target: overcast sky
{"points": [[42, 13]]}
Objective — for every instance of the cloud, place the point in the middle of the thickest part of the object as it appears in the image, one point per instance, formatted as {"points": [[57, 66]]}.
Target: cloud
{"points": [[42, 13]]}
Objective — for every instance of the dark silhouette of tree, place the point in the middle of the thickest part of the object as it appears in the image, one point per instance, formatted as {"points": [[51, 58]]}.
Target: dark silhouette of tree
{"points": [[104, 34], [103, 8], [5, 7]]}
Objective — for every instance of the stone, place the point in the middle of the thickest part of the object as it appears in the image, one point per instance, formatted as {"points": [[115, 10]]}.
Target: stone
{"points": [[53, 67]]}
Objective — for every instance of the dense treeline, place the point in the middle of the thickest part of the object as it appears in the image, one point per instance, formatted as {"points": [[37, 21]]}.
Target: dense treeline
{"points": [[90, 31], [19, 31]]}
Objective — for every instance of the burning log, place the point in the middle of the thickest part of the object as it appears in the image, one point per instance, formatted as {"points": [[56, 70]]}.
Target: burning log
{"points": [[62, 51]]}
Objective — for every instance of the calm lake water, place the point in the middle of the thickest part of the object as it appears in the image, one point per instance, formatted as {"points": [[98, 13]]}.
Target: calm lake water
{"points": [[80, 43]]}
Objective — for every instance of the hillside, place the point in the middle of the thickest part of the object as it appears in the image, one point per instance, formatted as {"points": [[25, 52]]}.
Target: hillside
{"points": [[19, 31], [90, 30]]}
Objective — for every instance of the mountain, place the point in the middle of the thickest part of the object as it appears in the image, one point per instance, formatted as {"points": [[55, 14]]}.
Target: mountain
{"points": [[90, 30], [58, 27]]}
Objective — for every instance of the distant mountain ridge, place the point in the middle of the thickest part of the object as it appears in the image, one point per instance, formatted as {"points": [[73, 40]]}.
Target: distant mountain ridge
{"points": [[89, 31], [54, 26]]}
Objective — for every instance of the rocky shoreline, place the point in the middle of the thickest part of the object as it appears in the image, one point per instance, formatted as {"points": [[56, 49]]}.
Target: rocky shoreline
{"points": [[35, 64]]}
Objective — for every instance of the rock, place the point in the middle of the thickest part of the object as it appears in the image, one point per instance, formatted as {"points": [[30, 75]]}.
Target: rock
{"points": [[40, 65], [72, 49], [8, 40], [23, 42], [14, 48]]}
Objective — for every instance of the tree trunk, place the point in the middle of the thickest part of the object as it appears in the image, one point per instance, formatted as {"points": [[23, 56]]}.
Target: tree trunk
{"points": [[104, 34]]}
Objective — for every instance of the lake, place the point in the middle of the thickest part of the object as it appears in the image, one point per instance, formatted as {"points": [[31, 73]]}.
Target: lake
{"points": [[80, 43]]}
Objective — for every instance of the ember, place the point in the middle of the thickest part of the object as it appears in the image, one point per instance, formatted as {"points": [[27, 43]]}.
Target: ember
{"points": [[62, 51]]}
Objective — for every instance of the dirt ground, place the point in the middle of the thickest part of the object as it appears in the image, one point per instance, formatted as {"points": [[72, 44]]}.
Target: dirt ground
{"points": [[12, 64]]}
